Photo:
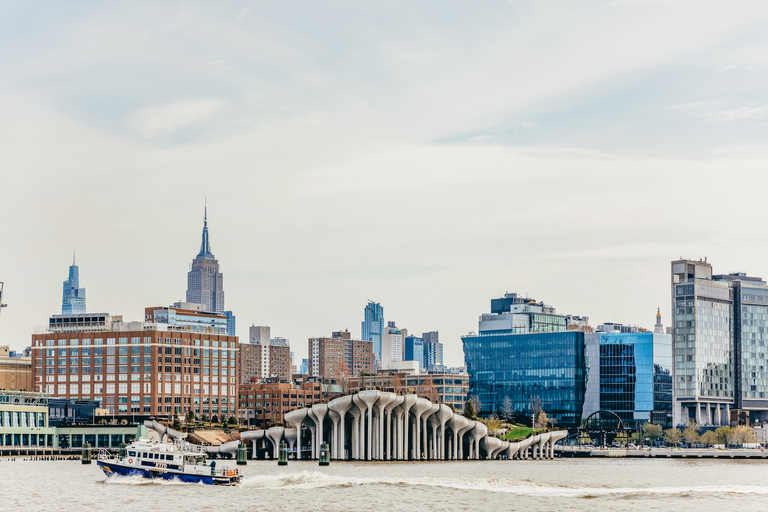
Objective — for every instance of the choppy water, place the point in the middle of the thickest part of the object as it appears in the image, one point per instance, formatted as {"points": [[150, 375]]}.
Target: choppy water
{"points": [[563, 484]]}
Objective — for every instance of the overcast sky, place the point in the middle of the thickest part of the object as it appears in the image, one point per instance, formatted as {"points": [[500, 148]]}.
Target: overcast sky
{"points": [[426, 155]]}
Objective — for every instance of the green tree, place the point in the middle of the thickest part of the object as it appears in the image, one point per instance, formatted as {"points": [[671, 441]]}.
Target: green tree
{"points": [[724, 434], [190, 417], [176, 421], [708, 438], [690, 436], [469, 410], [652, 432], [232, 420], [673, 436], [215, 418]]}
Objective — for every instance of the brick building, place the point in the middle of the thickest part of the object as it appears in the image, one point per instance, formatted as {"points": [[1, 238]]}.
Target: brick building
{"points": [[138, 368], [15, 371], [339, 355], [265, 404], [264, 357], [444, 388]]}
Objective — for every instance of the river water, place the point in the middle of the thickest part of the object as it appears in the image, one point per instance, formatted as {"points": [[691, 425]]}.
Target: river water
{"points": [[562, 484]]}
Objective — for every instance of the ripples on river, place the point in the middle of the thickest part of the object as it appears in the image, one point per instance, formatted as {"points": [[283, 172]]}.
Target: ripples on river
{"points": [[563, 484]]}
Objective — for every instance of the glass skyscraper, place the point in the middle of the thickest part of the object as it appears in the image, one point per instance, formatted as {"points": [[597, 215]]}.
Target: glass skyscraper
{"points": [[525, 351], [373, 326], [433, 349], [73, 298], [414, 350], [635, 376], [720, 338], [549, 366]]}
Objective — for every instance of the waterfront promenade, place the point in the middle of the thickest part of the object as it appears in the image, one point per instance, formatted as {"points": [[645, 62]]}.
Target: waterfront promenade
{"points": [[674, 453]]}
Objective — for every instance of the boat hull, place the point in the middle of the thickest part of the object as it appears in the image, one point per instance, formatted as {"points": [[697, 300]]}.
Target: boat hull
{"points": [[111, 469]]}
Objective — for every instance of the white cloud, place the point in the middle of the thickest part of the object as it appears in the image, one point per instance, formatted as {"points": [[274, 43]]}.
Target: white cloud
{"points": [[166, 119], [736, 114], [733, 67], [697, 104], [243, 14]]}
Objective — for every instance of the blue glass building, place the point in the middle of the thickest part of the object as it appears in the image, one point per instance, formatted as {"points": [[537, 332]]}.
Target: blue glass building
{"points": [[373, 326], [414, 350], [635, 376], [550, 366], [231, 323], [73, 297], [525, 350]]}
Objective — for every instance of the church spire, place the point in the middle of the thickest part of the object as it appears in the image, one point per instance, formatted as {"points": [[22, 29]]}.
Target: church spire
{"points": [[205, 245]]}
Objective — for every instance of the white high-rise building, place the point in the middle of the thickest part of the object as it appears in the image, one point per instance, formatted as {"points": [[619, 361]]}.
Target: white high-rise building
{"points": [[392, 344]]}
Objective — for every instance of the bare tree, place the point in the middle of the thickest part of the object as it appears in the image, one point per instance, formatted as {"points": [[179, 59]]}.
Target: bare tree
{"points": [[344, 376], [536, 406], [506, 409], [397, 383], [429, 391]]}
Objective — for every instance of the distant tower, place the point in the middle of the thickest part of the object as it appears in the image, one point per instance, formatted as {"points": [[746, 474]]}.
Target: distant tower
{"points": [[73, 298], [205, 284], [658, 328], [373, 326]]}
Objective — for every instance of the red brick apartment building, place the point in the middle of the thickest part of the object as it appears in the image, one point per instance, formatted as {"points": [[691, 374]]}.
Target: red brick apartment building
{"points": [[137, 368]]}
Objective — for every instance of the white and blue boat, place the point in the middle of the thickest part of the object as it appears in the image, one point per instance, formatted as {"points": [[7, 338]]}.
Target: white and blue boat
{"points": [[177, 461]]}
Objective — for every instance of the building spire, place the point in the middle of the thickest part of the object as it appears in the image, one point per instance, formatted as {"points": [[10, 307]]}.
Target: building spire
{"points": [[205, 244], [73, 258]]}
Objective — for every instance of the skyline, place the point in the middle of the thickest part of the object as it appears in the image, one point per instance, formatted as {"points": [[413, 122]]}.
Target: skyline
{"points": [[426, 157]]}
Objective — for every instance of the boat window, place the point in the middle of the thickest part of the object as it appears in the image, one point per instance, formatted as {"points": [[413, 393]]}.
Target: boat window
{"points": [[157, 455], [131, 454]]}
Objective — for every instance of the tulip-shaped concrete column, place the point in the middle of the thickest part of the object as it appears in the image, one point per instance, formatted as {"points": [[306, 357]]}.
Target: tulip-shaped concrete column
{"points": [[341, 405], [444, 414], [290, 435], [319, 411], [458, 425], [369, 397], [421, 406], [426, 447], [490, 445], [253, 436], [385, 398], [554, 438], [478, 432], [361, 437], [391, 425], [512, 450], [403, 428], [524, 444], [297, 417], [275, 434], [354, 435], [334, 417], [543, 441]]}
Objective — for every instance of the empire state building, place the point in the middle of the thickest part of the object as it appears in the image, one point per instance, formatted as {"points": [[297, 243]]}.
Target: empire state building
{"points": [[205, 284]]}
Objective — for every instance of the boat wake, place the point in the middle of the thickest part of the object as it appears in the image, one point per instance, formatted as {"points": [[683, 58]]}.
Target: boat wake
{"points": [[140, 480], [314, 480]]}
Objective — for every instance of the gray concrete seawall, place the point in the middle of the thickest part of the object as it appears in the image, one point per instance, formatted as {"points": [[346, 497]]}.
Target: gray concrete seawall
{"points": [[672, 453]]}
